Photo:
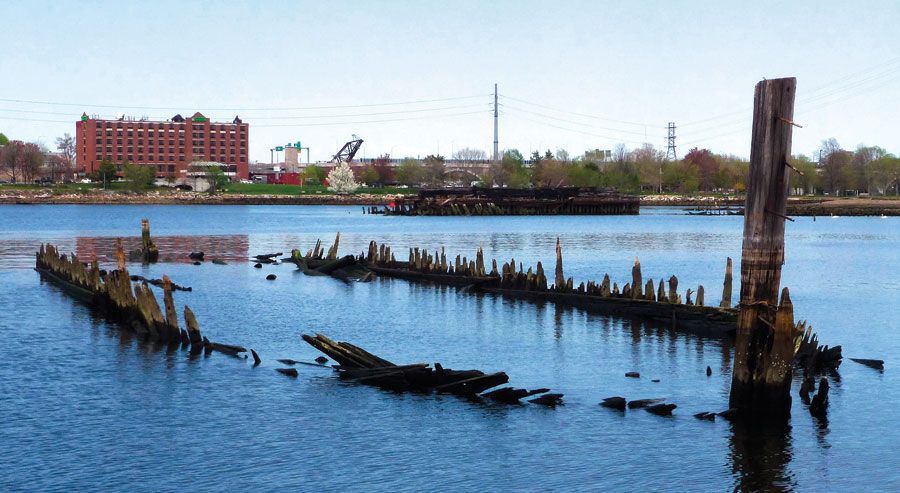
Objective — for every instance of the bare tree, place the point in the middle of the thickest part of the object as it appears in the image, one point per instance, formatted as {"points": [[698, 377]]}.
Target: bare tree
{"points": [[470, 154], [10, 157], [66, 147]]}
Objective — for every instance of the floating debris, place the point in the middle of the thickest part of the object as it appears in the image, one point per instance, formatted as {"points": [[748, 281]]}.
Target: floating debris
{"points": [[614, 403], [871, 363], [291, 372], [661, 409]]}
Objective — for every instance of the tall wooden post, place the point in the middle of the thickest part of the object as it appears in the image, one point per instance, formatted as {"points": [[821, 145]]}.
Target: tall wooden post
{"points": [[760, 386]]}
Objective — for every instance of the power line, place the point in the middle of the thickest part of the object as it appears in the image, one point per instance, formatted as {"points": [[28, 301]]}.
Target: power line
{"points": [[87, 105], [615, 139], [505, 105], [322, 124], [639, 124], [291, 117]]}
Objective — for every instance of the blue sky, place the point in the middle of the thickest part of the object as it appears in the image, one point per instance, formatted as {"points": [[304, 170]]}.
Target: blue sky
{"points": [[629, 66]]}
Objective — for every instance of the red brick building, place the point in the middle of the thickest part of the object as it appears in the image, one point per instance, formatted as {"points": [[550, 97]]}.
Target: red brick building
{"points": [[170, 146]]}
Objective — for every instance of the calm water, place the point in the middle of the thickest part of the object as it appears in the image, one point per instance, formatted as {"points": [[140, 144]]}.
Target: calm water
{"points": [[87, 407]]}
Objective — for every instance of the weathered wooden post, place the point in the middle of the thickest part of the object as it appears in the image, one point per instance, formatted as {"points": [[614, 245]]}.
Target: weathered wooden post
{"points": [[760, 386], [149, 252], [559, 278]]}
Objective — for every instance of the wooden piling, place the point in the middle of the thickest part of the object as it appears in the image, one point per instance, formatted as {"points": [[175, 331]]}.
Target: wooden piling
{"points": [[559, 278], [726, 288], [636, 281], [760, 386]]}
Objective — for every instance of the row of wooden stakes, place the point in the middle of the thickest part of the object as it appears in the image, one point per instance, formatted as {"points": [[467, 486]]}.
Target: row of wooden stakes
{"points": [[514, 276], [134, 305]]}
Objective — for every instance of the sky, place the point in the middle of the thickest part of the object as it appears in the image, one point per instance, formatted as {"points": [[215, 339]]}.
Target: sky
{"points": [[417, 78]]}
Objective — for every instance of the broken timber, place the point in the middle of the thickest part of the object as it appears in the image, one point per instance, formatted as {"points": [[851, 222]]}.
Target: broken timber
{"points": [[360, 366]]}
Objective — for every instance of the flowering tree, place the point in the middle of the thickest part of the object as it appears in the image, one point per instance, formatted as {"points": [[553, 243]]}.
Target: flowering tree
{"points": [[341, 180]]}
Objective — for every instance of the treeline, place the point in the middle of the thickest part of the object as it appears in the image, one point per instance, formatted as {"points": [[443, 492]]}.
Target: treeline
{"points": [[27, 162], [868, 169]]}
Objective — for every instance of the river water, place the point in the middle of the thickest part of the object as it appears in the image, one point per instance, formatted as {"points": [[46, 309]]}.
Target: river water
{"points": [[85, 406]]}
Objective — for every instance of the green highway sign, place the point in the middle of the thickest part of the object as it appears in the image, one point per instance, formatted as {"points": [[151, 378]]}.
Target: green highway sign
{"points": [[279, 148]]}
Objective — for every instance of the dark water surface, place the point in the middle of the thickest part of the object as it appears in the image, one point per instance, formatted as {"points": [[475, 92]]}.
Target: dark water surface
{"points": [[87, 407]]}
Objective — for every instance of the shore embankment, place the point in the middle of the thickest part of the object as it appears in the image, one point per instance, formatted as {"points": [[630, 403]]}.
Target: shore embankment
{"points": [[99, 197], [797, 206]]}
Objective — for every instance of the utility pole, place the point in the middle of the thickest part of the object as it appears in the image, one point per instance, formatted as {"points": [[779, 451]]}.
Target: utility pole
{"points": [[496, 140]]}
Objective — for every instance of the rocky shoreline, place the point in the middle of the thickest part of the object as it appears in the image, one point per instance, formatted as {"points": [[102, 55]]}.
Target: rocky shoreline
{"points": [[797, 206], [185, 198]]}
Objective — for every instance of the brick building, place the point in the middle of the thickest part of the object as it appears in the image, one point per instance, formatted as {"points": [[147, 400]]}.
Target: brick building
{"points": [[170, 146]]}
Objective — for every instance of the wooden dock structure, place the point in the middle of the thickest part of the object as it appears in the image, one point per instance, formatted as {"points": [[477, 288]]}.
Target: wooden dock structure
{"points": [[514, 202]]}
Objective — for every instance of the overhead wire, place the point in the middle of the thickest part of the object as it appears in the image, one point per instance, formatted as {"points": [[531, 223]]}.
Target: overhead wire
{"points": [[280, 108]]}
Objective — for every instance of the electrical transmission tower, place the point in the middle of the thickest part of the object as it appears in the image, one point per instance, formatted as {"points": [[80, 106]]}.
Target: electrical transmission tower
{"points": [[496, 140], [670, 151]]}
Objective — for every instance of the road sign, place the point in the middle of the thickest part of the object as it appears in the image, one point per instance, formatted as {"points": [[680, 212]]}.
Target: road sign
{"points": [[279, 148]]}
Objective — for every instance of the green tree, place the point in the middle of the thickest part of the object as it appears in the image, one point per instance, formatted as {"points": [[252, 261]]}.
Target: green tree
{"points": [[217, 178], [369, 176], [884, 174], [314, 174], [3, 140], [434, 170], [681, 176], [409, 172], [809, 180], [139, 177], [106, 172]]}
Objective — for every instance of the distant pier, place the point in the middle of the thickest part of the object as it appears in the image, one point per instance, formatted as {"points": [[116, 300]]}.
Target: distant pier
{"points": [[514, 202]]}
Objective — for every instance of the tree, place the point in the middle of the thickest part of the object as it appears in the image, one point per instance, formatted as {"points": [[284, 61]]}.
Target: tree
{"points": [[409, 172], [140, 177], [809, 179], [314, 173], [106, 172], [510, 171], [3, 139], [837, 172], [884, 173], [66, 147], [382, 166], [563, 155], [864, 156], [434, 169], [369, 175], [470, 154], [549, 173], [58, 166], [11, 156], [341, 180], [648, 164], [707, 167], [681, 176], [217, 179]]}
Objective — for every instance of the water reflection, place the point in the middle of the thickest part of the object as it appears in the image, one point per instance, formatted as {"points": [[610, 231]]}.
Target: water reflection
{"points": [[172, 248], [760, 454], [19, 253]]}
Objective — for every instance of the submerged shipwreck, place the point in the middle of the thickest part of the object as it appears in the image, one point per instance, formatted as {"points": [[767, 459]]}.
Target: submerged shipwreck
{"points": [[513, 202]]}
